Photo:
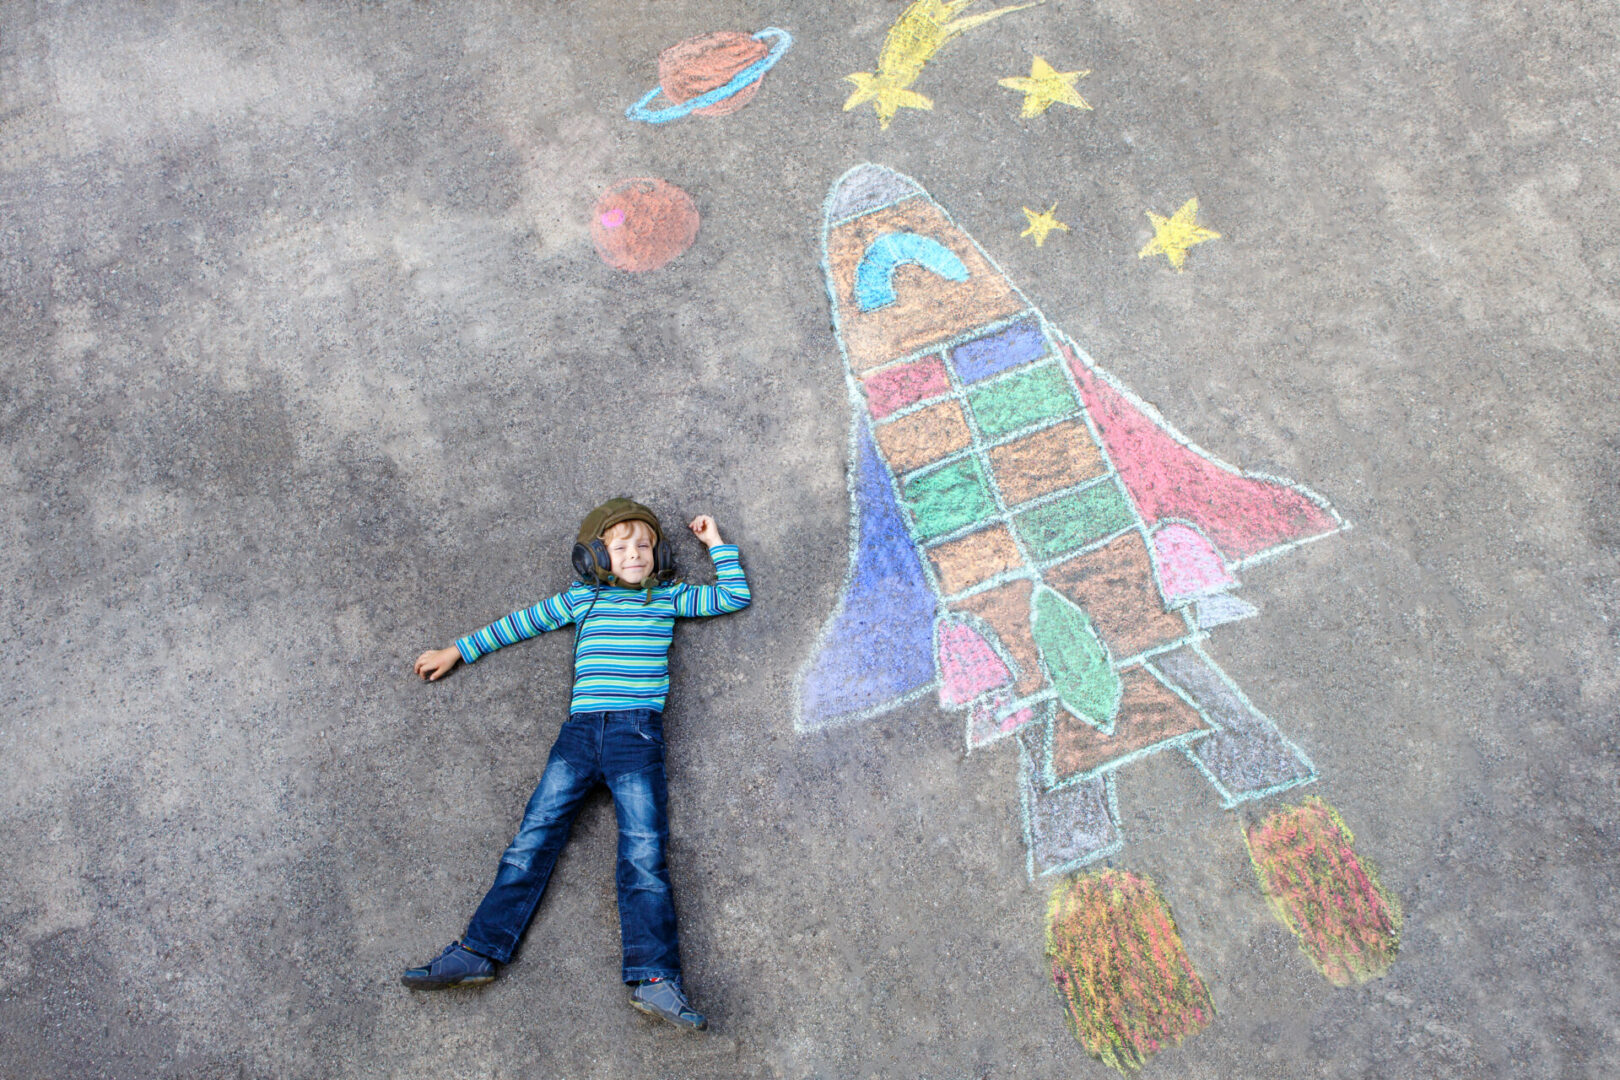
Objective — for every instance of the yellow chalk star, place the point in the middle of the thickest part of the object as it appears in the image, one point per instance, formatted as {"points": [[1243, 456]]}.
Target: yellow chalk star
{"points": [[1041, 224], [1045, 87], [889, 94], [1172, 236]]}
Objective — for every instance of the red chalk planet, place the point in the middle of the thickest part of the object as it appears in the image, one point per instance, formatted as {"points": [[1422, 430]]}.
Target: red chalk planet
{"points": [[711, 74], [642, 224], [697, 65]]}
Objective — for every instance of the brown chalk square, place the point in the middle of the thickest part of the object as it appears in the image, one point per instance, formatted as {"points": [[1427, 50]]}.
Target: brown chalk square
{"points": [[1051, 459], [962, 564], [1149, 713], [924, 436], [1115, 585]]}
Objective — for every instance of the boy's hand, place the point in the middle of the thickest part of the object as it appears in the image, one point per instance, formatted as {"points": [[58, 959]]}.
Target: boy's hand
{"points": [[435, 664], [704, 529]]}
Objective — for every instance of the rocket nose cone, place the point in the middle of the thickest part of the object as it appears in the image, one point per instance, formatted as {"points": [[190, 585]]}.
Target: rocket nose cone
{"points": [[866, 188]]}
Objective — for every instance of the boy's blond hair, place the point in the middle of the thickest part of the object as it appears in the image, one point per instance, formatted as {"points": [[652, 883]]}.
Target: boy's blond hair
{"points": [[629, 528]]}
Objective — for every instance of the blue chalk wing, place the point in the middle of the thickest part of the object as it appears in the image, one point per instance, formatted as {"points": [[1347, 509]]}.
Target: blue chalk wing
{"points": [[877, 649]]}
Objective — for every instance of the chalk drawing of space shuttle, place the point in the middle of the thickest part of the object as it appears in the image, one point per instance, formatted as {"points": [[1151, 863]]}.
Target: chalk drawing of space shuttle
{"points": [[1030, 542]]}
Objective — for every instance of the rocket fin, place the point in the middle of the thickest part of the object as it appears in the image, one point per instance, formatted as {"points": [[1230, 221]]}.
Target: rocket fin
{"points": [[969, 666], [877, 649], [1245, 515], [1188, 564], [1221, 608]]}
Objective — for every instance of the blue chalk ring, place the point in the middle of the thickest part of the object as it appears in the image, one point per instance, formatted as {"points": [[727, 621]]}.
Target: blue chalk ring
{"points": [[750, 74]]}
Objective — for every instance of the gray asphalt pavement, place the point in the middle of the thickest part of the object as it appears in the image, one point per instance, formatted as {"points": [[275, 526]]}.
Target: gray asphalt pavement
{"points": [[308, 364]]}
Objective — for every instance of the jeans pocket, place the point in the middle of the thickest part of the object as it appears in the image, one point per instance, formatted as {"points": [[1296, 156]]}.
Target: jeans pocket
{"points": [[650, 726]]}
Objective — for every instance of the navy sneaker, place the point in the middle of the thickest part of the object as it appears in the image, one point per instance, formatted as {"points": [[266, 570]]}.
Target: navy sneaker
{"points": [[664, 999], [456, 966]]}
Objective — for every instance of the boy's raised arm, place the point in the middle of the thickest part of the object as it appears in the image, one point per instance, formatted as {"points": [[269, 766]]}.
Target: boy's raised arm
{"points": [[730, 591]]}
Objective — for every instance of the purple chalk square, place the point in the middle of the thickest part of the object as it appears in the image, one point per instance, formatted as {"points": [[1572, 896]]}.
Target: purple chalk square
{"points": [[1008, 347]]}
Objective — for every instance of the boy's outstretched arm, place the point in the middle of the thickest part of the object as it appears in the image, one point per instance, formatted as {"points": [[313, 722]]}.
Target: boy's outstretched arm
{"points": [[730, 592], [548, 614]]}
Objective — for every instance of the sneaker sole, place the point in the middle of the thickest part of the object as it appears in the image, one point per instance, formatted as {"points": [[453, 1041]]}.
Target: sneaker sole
{"points": [[666, 1018], [473, 980]]}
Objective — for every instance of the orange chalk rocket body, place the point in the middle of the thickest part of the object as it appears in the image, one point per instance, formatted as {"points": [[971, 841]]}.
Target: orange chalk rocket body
{"points": [[1030, 543]]}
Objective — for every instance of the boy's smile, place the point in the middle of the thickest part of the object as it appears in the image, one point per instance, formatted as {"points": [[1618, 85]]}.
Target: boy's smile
{"points": [[630, 551]]}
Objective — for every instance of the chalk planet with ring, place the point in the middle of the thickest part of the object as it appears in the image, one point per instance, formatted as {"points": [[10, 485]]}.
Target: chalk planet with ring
{"points": [[711, 74]]}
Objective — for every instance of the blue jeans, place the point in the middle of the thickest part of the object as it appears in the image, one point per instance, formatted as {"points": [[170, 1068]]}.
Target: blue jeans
{"points": [[624, 750]]}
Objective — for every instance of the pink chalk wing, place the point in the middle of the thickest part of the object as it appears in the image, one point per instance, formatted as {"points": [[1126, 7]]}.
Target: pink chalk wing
{"points": [[1243, 515], [1189, 566], [968, 666]]}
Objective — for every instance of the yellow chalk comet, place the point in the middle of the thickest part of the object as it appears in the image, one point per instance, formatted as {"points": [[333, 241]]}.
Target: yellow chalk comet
{"points": [[921, 31]]}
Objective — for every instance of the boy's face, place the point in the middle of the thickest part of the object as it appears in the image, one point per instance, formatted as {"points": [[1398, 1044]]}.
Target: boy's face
{"points": [[630, 550]]}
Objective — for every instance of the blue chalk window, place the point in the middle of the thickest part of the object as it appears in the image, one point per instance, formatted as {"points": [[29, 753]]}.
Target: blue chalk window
{"points": [[874, 277], [1006, 348]]}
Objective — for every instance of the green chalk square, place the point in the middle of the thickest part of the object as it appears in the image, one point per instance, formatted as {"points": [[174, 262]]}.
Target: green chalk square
{"points": [[1075, 520], [1041, 393], [949, 497]]}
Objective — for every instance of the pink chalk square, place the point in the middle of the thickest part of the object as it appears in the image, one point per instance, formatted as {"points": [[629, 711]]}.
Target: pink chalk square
{"points": [[894, 388]]}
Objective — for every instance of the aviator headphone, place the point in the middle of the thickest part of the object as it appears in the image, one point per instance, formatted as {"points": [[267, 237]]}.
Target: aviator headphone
{"points": [[591, 560]]}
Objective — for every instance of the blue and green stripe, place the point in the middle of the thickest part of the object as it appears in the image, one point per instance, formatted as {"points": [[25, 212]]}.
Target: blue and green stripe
{"points": [[621, 655]]}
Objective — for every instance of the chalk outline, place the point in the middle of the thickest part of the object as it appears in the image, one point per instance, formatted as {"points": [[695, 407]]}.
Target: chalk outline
{"points": [[1026, 766], [1229, 800], [750, 74], [1066, 352], [1244, 610]]}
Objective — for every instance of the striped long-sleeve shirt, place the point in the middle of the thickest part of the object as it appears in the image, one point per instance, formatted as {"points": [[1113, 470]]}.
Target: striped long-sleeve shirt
{"points": [[622, 650]]}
